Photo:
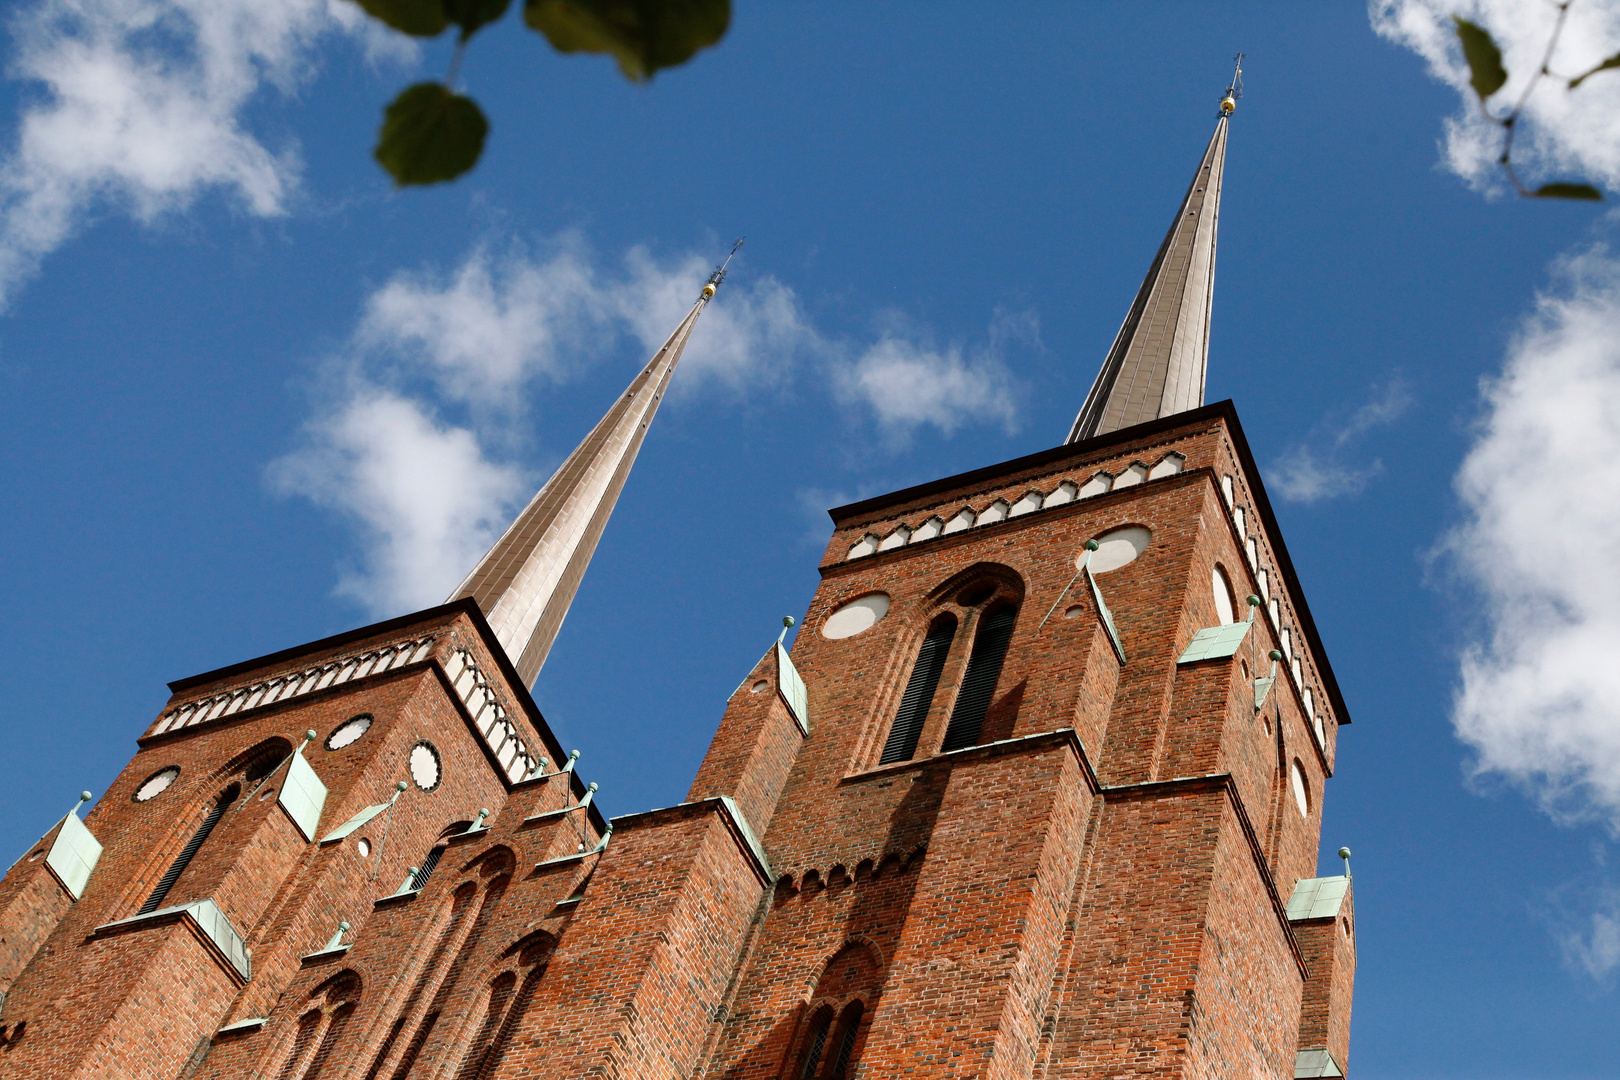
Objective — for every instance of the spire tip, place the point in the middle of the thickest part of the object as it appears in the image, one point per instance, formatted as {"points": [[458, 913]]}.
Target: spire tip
{"points": [[1234, 89], [719, 274]]}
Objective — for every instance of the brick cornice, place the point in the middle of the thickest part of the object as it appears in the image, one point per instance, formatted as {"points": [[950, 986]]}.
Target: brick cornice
{"points": [[740, 832]]}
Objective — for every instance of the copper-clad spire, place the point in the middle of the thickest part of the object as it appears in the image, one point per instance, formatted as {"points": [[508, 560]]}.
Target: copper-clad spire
{"points": [[1157, 364], [527, 581]]}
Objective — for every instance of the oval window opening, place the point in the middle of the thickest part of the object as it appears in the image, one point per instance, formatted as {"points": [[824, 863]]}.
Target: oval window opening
{"points": [[1302, 791], [423, 762], [855, 617], [157, 783], [348, 731], [1117, 547]]}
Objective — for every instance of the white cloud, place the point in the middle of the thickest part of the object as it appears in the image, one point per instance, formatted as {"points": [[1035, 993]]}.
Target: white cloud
{"points": [[427, 501], [1590, 939], [1565, 134], [142, 110], [428, 494], [907, 384], [492, 325], [1316, 469], [1539, 700]]}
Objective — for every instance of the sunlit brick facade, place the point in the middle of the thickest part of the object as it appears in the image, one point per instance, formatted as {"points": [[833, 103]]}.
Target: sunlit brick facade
{"points": [[1037, 793]]}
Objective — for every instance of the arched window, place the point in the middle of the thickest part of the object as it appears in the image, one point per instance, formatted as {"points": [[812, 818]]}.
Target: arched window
{"points": [[849, 1027], [919, 694], [983, 672], [222, 802], [815, 1043], [302, 1038]]}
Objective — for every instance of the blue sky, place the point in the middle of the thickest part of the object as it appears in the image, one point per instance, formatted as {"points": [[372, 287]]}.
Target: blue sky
{"points": [[250, 395]]}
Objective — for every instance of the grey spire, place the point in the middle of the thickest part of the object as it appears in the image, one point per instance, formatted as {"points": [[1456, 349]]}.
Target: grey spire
{"points": [[1156, 366], [527, 581]]}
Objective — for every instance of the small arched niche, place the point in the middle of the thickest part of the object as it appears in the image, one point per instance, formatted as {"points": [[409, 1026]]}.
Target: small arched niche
{"points": [[1302, 788], [1221, 586]]}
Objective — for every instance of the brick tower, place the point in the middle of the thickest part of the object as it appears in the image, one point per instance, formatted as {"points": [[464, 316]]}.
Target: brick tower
{"points": [[1037, 794]]}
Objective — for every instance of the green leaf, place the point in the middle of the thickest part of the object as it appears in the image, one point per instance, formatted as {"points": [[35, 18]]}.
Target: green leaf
{"points": [[430, 135], [642, 35], [1569, 191], [1611, 62], [419, 18], [472, 14], [1484, 58]]}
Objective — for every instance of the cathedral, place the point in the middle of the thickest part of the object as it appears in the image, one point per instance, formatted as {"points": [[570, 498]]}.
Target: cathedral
{"points": [[1037, 793]]}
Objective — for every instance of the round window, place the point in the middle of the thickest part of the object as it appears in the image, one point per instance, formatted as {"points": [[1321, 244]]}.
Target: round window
{"points": [[856, 616], [157, 783], [424, 765], [348, 731], [1118, 547]]}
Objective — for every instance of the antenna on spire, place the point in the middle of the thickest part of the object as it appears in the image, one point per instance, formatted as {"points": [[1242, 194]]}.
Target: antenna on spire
{"points": [[1234, 89], [719, 274]]}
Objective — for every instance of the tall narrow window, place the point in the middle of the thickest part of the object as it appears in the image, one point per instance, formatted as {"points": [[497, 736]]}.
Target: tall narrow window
{"points": [[979, 684], [846, 1042], [189, 852], [919, 695], [817, 1042]]}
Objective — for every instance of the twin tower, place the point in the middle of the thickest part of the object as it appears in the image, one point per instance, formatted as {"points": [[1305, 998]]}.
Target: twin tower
{"points": [[1037, 794]]}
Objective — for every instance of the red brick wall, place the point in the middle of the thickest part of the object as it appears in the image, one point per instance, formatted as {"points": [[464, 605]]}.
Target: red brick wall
{"points": [[31, 903], [1329, 948]]}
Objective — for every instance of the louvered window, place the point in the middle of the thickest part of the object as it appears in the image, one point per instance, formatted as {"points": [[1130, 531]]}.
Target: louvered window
{"points": [[919, 695], [189, 852], [979, 684], [425, 871]]}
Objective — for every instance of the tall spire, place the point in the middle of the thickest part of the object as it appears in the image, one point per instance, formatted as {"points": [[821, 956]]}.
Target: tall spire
{"points": [[1157, 364], [527, 581]]}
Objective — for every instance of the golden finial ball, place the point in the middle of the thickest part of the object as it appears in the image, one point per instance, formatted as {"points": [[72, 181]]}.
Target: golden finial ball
{"points": [[1228, 104], [708, 290]]}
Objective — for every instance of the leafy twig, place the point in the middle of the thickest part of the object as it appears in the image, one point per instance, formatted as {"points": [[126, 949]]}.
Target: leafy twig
{"points": [[1487, 76]]}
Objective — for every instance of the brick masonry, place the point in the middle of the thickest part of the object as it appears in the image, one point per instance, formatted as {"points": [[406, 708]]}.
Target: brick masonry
{"points": [[1095, 888]]}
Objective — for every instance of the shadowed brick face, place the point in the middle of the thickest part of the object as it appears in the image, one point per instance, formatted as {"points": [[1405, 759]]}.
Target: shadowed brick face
{"points": [[1098, 887]]}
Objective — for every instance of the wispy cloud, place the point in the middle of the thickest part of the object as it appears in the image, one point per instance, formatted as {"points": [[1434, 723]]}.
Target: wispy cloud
{"points": [[1318, 468], [1587, 928], [425, 499], [907, 382], [1539, 700], [417, 433], [1565, 133], [142, 108]]}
